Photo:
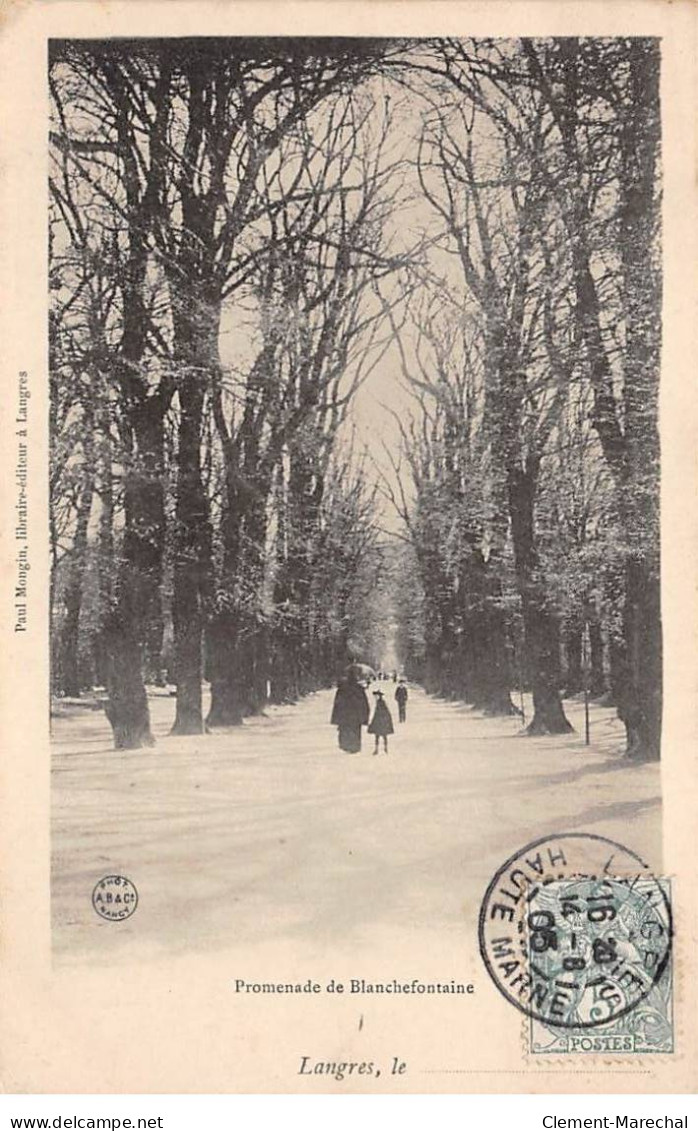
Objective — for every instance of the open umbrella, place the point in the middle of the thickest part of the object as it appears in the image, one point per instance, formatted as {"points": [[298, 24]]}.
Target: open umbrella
{"points": [[360, 671]]}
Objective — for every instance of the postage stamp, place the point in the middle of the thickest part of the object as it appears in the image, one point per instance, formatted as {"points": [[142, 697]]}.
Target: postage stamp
{"points": [[648, 1026], [576, 932]]}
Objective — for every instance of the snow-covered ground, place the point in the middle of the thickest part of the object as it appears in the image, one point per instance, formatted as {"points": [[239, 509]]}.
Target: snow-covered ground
{"points": [[269, 832]]}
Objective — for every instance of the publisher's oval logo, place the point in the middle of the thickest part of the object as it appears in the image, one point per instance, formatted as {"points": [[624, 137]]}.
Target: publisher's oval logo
{"points": [[115, 898]]}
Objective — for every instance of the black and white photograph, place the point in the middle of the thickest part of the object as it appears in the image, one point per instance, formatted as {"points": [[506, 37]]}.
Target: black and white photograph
{"points": [[356, 670]]}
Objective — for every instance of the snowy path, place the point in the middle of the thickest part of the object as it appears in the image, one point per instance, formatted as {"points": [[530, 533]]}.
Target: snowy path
{"points": [[271, 833]]}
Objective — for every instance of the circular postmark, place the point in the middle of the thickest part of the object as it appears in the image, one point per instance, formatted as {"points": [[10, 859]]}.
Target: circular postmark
{"points": [[115, 898], [575, 931]]}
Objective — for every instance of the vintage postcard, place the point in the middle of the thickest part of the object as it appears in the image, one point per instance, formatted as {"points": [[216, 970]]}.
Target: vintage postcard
{"points": [[348, 702]]}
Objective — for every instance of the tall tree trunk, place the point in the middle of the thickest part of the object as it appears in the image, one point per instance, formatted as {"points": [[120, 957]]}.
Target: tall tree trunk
{"points": [[432, 669], [260, 671], [639, 216], [283, 668], [106, 547], [573, 639], [227, 678], [597, 680], [617, 675], [257, 641], [629, 438], [140, 572], [493, 694], [642, 690], [541, 628], [137, 590], [491, 677], [152, 652], [191, 522], [138, 582], [195, 287], [225, 627], [239, 644], [69, 663]]}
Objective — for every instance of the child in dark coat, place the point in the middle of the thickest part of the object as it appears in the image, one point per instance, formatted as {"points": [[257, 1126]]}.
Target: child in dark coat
{"points": [[381, 724]]}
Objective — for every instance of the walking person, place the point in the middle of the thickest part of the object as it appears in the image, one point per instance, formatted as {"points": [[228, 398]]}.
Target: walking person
{"points": [[401, 700], [350, 712], [381, 724]]}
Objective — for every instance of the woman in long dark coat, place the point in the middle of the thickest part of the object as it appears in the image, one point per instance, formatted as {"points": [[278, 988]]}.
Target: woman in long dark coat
{"points": [[350, 713]]}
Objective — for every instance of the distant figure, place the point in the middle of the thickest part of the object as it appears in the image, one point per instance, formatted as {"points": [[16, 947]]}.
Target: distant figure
{"points": [[394, 677], [350, 713], [381, 724], [401, 700]]}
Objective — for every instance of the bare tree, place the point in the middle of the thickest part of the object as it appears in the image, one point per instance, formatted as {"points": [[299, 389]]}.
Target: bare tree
{"points": [[604, 100], [499, 216], [111, 169], [452, 473], [319, 318]]}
